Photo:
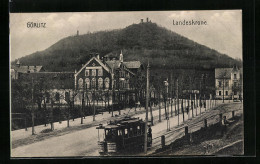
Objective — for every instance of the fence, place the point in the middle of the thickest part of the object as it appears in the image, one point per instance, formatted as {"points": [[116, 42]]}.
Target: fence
{"points": [[221, 118]]}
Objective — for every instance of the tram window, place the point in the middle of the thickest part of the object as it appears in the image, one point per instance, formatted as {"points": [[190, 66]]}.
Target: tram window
{"points": [[126, 132], [138, 130], [131, 132], [119, 132], [113, 133]]}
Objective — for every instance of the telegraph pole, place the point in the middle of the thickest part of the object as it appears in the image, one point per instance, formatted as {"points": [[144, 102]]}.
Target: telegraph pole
{"points": [[146, 109], [171, 95], [33, 132], [178, 101]]}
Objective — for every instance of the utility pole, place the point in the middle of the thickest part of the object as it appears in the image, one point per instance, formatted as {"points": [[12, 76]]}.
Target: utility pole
{"points": [[195, 103], [200, 98], [146, 108], [159, 100], [94, 108], [83, 102], [33, 132], [171, 95], [182, 110], [178, 101], [113, 89]]}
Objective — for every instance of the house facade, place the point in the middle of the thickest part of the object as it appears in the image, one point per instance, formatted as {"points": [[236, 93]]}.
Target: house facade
{"points": [[106, 74], [229, 83], [19, 69]]}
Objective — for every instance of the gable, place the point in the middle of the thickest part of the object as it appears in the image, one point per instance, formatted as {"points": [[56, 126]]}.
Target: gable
{"points": [[91, 62]]}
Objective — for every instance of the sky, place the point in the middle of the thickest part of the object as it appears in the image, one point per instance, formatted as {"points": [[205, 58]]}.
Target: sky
{"points": [[223, 31]]}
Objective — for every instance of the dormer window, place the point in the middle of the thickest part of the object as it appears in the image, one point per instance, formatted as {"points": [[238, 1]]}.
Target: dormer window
{"points": [[235, 76]]}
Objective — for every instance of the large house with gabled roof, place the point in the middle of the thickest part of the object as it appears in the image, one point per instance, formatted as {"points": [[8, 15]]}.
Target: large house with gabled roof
{"points": [[106, 74]]}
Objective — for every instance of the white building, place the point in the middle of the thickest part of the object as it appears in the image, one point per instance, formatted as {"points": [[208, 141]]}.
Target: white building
{"points": [[229, 83]]}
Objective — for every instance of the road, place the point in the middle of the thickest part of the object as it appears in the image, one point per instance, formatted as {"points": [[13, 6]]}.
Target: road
{"points": [[84, 142]]}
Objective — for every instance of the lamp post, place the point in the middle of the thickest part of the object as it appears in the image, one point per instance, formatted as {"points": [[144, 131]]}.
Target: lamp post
{"points": [[166, 83], [146, 109]]}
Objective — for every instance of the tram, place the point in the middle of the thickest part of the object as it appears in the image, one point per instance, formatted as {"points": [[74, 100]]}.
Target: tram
{"points": [[125, 135]]}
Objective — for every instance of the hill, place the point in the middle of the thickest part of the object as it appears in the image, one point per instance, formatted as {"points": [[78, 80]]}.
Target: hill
{"points": [[144, 41]]}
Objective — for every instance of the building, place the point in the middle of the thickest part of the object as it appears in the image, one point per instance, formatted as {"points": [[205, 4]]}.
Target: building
{"points": [[94, 76], [18, 69], [106, 74], [229, 83], [50, 83]]}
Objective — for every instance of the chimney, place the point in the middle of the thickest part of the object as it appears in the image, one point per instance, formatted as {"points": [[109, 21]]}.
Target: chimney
{"points": [[77, 32], [142, 20], [147, 19], [97, 55]]}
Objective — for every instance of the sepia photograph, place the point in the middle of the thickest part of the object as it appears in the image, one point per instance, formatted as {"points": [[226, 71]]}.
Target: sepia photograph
{"points": [[126, 84]]}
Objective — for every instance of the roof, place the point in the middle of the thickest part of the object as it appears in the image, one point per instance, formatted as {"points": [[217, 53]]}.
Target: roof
{"points": [[24, 69], [93, 58], [130, 121], [111, 126], [55, 80], [223, 72], [132, 64], [113, 64]]}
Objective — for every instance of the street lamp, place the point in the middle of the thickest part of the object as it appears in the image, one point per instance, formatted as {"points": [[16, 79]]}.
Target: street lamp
{"points": [[166, 83]]}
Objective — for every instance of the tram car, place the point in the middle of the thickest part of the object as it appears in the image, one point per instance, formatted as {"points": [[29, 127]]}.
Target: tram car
{"points": [[125, 135]]}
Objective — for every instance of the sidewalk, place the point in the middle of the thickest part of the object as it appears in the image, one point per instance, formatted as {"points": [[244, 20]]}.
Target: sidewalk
{"points": [[21, 133]]}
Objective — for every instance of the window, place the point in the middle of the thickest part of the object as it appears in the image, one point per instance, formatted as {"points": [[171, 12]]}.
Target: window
{"points": [[219, 83], [87, 82], [80, 83], [235, 92], [226, 83], [100, 83], [226, 93], [106, 82], [93, 72], [100, 72], [235, 76], [93, 83], [119, 132], [138, 130], [126, 132], [87, 72], [219, 93], [131, 132], [235, 84]]}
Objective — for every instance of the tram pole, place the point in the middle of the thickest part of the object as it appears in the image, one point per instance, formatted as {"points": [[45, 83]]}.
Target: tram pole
{"points": [[178, 102], [33, 132], [146, 109]]}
